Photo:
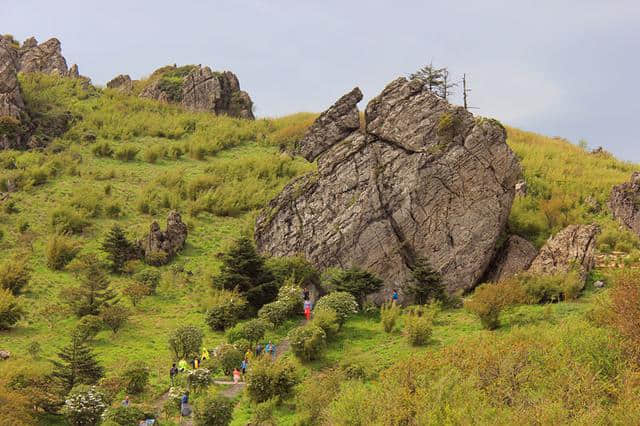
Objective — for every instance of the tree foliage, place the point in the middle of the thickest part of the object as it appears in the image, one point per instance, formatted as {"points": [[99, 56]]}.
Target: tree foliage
{"points": [[356, 281], [118, 248], [426, 283], [186, 341], [76, 364]]}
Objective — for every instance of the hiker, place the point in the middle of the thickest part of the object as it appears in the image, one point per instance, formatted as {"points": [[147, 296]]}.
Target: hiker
{"points": [[182, 365], [258, 349], [305, 294], [125, 403], [243, 367], [196, 363], [205, 354], [248, 355], [394, 296], [173, 373], [185, 408], [307, 309], [273, 352], [267, 349], [236, 376]]}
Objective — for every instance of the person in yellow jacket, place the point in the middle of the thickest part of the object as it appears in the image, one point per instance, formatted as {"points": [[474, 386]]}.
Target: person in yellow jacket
{"points": [[205, 354], [182, 365]]}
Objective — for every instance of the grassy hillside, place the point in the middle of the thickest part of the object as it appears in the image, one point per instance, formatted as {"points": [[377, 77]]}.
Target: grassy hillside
{"points": [[129, 161]]}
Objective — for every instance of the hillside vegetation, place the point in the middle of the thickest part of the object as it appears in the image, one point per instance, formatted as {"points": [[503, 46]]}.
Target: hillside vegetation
{"points": [[129, 161]]}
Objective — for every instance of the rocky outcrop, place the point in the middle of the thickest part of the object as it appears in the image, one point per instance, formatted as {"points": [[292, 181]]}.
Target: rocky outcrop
{"points": [[331, 126], [573, 247], [13, 133], [45, 58], [122, 83], [515, 256], [624, 203], [203, 90], [425, 179], [158, 247]]}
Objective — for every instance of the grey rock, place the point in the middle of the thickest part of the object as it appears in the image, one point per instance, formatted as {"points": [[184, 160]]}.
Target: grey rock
{"points": [[12, 108], [169, 242], [593, 205], [598, 284], [624, 203], [332, 126], [73, 71], [573, 246], [405, 188], [521, 189], [122, 83], [45, 58], [515, 256], [4, 355]]}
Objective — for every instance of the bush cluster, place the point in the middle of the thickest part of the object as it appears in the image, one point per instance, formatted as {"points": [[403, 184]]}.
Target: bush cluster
{"points": [[252, 330], [136, 377], [267, 379], [342, 303], [60, 250], [307, 342], [226, 309]]}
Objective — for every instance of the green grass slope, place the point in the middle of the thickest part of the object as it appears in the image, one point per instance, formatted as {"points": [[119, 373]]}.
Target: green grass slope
{"points": [[130, 161]]}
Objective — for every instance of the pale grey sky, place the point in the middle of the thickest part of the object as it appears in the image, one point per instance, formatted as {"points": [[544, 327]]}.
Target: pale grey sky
{"points": [[559, 67]]}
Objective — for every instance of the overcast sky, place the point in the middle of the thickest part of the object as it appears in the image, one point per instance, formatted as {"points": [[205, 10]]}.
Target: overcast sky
{"points": [[560, 67]]}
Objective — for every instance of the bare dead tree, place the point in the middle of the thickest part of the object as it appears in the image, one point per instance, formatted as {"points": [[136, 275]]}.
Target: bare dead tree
{"points": [[446, 85], [465, 91]]}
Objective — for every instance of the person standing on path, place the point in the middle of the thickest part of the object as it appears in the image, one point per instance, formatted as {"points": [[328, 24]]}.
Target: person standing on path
{"points": [[185, 408], [267, 349], [243, 367], [394, 296], [236, 376], [273, 352], [307, 309], [305, 294], [173, 373], [258, 349]]}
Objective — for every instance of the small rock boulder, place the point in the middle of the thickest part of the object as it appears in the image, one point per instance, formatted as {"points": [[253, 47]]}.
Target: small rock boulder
{"points": [[159, 246], [122, 83], [521, 189], [4, 355], [598, 284], [573, 246], [332, 126], [624, 203], [515, 255]]}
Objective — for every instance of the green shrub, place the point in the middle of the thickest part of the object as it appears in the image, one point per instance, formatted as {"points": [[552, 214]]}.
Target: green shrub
{"points": [[84, 407], [34, 349], [102, 149], [186, 341], [425, 284], [149, 277], [489, 300], [10, 311], [316, 392], [124, 416], [67, 221], [307, 342], [226, 310], [327, 319], [389, 314], [127, 153], [344, 305], [112, 210], [263, 412], [136, 291], [357, 282], [136, 377], [60, 250], [156, 258], [243, 345], [199, 378], [267, 379], [88, 327], [252, 330], [290, 295], [543, 288], [175, 152], [14, 274], [38, 176], [275, 313], [229, 357], [418, 329], [152, 154], [295, 270], [114, 316], [215, 411]]}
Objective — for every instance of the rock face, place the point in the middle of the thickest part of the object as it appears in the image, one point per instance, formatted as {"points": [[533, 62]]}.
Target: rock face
{"points": [[515, 255], [45, 58], [624, 203], [572, 247], [122, 83], [331, 126], [12, 108], [160, 246], [425, 180], [204, 90]]}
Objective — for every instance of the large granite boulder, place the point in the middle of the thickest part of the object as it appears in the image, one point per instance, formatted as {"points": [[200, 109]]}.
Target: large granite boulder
{"points": [[425, 179], [202, 90], [13, 133], [159, 246], [122, 83], [513, 257], [572, 247], [624, 203]]}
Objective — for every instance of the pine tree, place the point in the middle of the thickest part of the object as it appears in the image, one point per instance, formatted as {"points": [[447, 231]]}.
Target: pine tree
{"points": [[118, 248], [431, 76], [94, 291], [77, 365], [243, 269], [426, 283], [357, 282]]}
